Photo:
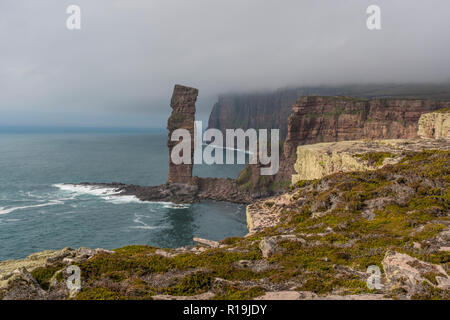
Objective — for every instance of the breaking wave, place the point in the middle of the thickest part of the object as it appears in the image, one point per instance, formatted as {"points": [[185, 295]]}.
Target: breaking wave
{"points": [[113, 195], [6, 210]]}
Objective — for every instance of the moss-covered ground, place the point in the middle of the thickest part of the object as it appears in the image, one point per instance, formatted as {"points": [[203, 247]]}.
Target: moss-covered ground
{"points": [[349, 222]]}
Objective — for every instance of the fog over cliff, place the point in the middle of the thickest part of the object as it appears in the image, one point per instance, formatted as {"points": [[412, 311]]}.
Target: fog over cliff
{"points": [[120, 68]]}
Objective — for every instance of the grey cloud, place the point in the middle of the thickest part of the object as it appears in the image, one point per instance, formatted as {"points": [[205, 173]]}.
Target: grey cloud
{"points": [[130, 53]]}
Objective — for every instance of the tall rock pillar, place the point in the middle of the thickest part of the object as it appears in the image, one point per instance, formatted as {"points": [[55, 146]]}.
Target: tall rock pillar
{"points": [[182, 117]]}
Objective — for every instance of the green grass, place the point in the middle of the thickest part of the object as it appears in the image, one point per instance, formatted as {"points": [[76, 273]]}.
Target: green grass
{"points": [[375, 158], [43, 275]]}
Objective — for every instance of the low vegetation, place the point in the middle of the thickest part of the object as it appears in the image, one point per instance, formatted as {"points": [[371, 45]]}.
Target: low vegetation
{"points": [[375, 158], [348, 221]]}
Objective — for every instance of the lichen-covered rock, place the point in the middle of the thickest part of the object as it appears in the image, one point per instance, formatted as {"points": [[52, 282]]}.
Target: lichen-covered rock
{"points": [[318, 160], [30, 263], [261, 215], [411, 274], [41, 275], [206, 242], [269, 245], [288, 295], [435, 125], [86, 253], [203, 296], [22, 286]]}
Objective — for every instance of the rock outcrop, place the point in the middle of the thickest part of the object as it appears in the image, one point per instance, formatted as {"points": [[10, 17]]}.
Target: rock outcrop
{"points": [[22, 286], [435, 125], [32, 262], [264, 214], [41, 276], [216, 189], [183, 117], [412, 275], [316, 161]]}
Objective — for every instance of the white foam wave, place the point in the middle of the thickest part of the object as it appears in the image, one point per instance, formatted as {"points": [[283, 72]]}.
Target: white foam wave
{"points": [[122, 199], [143, 225], [84, 189], [146, 227], [113, 195], [170, 205], [6, 210]]}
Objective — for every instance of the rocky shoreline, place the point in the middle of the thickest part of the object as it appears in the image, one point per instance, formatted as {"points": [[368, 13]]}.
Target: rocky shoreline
{"points": [[216, 189]]}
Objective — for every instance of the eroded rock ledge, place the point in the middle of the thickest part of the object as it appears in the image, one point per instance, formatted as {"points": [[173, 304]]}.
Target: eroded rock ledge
{"points": [[319, 160], [216, 189]]}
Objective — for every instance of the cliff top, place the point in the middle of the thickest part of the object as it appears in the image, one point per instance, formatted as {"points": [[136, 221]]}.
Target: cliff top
{"points": [[327, 99], [319, 160]]}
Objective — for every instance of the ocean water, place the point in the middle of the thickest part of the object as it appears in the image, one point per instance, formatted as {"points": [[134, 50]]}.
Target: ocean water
{"points": [[39, 211]]}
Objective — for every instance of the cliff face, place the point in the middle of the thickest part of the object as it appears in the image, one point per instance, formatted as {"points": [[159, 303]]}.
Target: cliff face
{"points": [[330, 119], [435, 125], [182, 117], [271, 110]]}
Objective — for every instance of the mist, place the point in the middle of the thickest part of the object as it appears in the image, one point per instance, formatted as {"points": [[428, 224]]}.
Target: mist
{"points": [[120, 68]]}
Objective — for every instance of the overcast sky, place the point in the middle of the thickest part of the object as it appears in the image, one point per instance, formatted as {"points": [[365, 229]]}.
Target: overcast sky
{"points": [[120, 68]]}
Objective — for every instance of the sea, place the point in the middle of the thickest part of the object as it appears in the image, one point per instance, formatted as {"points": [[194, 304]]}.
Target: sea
{"points": [[43, 208]]}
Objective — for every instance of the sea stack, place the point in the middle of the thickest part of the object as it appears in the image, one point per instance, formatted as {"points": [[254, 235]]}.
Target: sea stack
{"points": [[182, 117]]}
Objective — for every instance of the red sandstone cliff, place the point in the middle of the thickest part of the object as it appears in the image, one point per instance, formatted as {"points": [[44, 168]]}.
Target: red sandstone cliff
{"points": [[271, 110], [327, 119]]}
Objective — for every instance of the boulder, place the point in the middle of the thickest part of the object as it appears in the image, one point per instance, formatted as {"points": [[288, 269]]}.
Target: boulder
{"points": [[269, 245], [22, 286], [207, 243], [410, 274], [287, 295]]}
